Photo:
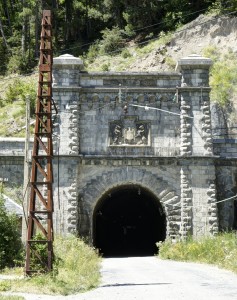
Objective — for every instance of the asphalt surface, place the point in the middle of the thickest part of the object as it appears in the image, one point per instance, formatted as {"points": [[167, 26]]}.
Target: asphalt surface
{"points": [[151, 278]]}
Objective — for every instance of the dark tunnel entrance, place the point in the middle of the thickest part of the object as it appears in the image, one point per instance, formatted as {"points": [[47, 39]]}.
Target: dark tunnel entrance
{"points": [[128, 221]]}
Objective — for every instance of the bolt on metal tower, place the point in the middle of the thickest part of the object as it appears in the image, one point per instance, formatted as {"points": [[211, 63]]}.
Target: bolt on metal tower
{"points": [[40, 215]]}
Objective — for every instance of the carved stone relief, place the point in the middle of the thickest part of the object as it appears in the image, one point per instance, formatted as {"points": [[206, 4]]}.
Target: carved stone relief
{"points": [[129, 131]]}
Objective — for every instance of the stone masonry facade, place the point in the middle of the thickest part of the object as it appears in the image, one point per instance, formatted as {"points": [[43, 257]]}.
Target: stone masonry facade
{"points": [[151, 130]]}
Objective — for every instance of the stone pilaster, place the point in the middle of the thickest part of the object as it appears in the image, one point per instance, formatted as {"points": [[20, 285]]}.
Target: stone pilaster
{"points": [[186, 201], [66, 74], [66, 69], [66, 80], [195, 106], [206, 128], [212, 209], [186, 127]]}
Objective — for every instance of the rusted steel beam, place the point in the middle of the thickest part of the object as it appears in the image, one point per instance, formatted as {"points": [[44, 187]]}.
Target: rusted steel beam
{"points": [[40, 215]]}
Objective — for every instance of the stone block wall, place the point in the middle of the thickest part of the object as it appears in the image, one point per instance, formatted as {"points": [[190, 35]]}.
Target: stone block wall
{"points": [[99, 145], [225, 147], [11, 170], [177, 125]]}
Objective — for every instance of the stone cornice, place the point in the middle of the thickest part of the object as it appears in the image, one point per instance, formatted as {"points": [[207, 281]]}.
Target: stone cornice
{"points": [[128, 89], [62, 88], [109, 75]]}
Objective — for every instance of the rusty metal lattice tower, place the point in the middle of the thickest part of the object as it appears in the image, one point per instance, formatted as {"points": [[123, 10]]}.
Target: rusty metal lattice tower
{"points": [[40, 218]]}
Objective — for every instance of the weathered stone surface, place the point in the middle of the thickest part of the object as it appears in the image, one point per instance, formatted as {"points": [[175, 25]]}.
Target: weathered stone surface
{"points": [[165, 150]]}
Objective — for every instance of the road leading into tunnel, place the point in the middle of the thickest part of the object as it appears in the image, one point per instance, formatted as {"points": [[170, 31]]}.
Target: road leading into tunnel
{"points": [[150, 278]]}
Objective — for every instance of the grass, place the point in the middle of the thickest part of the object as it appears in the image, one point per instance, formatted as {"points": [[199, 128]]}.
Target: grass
{"points": [[12, 117], [114, 63], [122, 61], [220, 250], [76, 269], [6, 297], [13, 91]]}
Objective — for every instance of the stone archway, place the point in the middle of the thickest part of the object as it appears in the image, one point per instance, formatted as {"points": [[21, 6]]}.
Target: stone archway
{"points": [[128, 221], [156, 189]]}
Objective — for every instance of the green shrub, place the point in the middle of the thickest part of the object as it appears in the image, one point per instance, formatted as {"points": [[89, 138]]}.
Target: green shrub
{"points": [[223, 81], [11, 251], [77, 265], [92, 52], [18, 64], [125, 53], [171, 63], [4, 286], [112, 41], [19, 90], [39, 255], [105, 67], [75, 269], [212, 52], [223, 75]]}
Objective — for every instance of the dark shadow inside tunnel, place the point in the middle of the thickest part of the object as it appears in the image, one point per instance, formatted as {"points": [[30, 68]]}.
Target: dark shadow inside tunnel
{"points": [[128, 221]]}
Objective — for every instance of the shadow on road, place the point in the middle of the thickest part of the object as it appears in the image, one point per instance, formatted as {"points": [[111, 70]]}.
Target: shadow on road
{"points": [[133, 284]]}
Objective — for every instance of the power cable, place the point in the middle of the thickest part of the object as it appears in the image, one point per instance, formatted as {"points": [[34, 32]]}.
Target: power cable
{"points": [[192, 206]]}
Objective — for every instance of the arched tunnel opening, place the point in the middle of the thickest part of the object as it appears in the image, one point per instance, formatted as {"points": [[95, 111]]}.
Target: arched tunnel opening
{"points": [[128, 221]]}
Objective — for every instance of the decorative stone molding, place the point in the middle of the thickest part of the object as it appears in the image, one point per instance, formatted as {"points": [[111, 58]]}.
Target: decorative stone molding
{"points": [[186, 201], [195, 70], [66, 71], [101, 184], [207, 129], [212, 209], [186, 127], [72, 208]]}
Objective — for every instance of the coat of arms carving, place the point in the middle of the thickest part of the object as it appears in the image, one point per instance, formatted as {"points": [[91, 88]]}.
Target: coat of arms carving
{"points": [[129, 132]]}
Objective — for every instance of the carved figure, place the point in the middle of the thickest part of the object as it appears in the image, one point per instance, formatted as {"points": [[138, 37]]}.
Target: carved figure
{"points": [[117, 135], [141, 135]]}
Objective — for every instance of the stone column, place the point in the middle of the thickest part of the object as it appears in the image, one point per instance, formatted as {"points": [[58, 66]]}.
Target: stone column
{"points": [[66, 79], [197, 175], [66, 93], [196, 138], [186, 200]]}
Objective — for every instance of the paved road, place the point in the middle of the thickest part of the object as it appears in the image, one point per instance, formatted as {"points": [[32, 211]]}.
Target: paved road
{"points": [[149, 278]]}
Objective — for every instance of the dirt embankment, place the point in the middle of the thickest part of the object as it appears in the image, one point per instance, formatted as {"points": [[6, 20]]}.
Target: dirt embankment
{"points": [[192, 38]]}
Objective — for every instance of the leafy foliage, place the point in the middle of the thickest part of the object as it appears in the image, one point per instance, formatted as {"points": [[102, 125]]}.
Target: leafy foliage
{"points": [[39, 255], [19, 90], [112, 41], [76, 269], [82, 22], [223, 76], [10, 242]]}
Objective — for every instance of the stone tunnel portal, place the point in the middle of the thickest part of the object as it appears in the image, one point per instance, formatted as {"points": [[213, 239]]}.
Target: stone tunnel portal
{"points": [[128, 221]]}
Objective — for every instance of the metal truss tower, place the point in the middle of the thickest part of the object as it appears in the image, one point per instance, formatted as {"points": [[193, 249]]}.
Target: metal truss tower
{"points": [[40, 214]]}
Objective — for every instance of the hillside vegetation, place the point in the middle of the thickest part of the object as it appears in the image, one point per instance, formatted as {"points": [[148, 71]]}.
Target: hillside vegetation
{"points": [[156, 47], [80, 24]]}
